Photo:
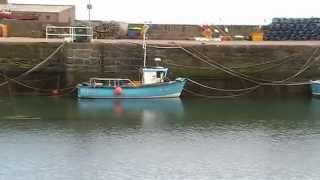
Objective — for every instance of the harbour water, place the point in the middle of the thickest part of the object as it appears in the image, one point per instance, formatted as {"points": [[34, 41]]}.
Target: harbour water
{"points": [[57, 138]]}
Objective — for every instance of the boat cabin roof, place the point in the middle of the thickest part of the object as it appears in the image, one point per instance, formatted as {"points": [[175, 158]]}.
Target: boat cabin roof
{"points": [[154, 69]]}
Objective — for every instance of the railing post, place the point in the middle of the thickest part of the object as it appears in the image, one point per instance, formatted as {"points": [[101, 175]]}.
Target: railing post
{"points": [[46, 33], [70, 33], [91, 34]]}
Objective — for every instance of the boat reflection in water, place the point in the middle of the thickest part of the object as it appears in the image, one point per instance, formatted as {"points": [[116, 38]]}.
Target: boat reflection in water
{"points": [[148, 112]]}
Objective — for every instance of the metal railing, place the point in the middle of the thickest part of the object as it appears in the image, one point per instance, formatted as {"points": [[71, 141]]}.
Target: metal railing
{"points": [[110, 82], [69, 32]]}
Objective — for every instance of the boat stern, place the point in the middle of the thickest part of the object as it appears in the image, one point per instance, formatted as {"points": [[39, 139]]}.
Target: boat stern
{"points": [[315, 87]]}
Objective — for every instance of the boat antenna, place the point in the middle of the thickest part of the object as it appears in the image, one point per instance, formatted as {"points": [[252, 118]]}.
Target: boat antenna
{"points": [[89, 7], [144, 30]]}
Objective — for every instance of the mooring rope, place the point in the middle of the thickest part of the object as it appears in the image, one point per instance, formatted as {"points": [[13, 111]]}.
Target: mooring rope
{"points": [[39, 80], [223, 90], [222, 68], [217, 97], [37, 66], [35, 88], [259, 82], [270, 82], [15, 80], [205, 59], [282, 61], [305, 67], [217, 66], [248, 78], [246, 89]]}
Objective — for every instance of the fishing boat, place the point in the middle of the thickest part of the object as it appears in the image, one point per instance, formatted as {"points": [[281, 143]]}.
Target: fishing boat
{"points": [[315, 87], [154, 84]]}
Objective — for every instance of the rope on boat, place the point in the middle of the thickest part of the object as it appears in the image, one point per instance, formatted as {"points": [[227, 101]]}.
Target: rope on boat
{"points": [[37, 66]]}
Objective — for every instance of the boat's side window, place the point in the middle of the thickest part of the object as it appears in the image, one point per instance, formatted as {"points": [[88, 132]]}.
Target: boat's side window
{"points": [[159, 74]]}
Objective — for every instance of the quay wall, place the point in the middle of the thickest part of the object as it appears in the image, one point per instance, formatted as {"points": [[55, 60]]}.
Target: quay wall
{"points": [[77, 62]]}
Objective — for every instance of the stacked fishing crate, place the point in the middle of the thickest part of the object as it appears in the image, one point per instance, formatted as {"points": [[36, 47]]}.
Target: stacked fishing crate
{"points": [[284, 29]]}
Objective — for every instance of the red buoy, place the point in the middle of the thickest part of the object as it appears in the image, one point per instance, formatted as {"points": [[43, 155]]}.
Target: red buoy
{"points": [[55, 92], [118, 90]]}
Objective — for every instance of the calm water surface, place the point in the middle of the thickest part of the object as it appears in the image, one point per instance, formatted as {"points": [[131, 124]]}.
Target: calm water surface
{"points": [[64, 138]]}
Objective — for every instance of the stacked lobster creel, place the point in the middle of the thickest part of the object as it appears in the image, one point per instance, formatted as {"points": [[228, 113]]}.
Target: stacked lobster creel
{"points": [[284, 29], [107, 30]]}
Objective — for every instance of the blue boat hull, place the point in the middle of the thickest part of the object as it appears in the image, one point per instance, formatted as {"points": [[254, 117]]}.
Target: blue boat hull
{"points": [[162, 90], [315, 88]]}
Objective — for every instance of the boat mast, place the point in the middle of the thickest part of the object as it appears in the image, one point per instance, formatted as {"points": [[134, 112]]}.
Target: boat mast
{"points": [[144, 43]]}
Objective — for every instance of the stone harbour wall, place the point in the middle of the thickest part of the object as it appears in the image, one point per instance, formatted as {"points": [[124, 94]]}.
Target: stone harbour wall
{"points": [[77, 62]]}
